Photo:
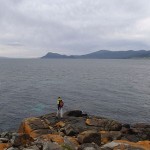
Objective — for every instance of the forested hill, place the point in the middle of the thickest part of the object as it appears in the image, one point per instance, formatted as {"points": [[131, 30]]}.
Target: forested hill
{"points": [[104, 54]]}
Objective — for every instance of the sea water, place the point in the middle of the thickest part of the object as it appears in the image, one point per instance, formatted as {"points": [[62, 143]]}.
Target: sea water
{"points": [[117, 89]]}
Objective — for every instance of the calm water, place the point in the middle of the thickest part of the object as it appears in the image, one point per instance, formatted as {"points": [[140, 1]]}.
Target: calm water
{"points": [[118, 89]]}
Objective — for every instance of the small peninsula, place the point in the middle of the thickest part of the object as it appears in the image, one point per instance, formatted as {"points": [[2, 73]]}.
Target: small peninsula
{"points": [[76, 131]]}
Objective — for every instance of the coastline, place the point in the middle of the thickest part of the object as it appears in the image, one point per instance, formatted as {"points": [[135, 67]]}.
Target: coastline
{"points": [[76, 131]]}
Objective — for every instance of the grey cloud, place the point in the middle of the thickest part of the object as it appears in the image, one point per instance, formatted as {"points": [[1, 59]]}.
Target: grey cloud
{"points": [[73, 27]]}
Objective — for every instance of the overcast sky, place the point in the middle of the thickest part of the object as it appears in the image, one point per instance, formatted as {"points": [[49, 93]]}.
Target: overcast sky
{"points": [[31, 28]]}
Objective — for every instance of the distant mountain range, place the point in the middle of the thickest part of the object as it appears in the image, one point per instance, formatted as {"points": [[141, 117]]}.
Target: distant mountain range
{"points": [[103, 54]]}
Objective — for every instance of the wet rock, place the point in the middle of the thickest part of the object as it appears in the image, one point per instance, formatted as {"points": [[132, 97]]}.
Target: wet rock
{"points": [[89, 137], [89, 146], [104, 124], [70, 130], [74, 113]]}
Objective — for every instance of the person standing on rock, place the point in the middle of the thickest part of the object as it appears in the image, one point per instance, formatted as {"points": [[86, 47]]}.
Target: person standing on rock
{"points": [[60, 105]]}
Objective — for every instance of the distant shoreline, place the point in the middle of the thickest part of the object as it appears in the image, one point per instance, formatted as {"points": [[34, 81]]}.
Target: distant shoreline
{"points": [[102, 54]]}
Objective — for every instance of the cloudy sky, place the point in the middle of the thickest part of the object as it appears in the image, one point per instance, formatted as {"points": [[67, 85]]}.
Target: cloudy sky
{"points": [[31, 28]]}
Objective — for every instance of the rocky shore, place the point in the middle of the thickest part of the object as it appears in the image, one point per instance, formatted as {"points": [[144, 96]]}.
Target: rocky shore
{"points": [[76, 131]]}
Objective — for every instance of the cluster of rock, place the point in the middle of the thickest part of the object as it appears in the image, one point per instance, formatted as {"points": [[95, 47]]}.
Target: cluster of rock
{"points": [[76, 131]]}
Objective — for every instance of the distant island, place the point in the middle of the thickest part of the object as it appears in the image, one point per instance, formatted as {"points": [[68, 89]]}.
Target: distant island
{"points": [[102, 54]]}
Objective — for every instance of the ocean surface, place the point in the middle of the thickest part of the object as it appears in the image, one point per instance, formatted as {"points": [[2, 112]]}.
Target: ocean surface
{"points": [[117, 89]]}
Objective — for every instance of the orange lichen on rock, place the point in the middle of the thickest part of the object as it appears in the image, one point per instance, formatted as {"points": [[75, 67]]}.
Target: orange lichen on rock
{"points": [[105, 140], [53, 137], [74, 140], [23, 139], [35, 127], [145, 144], [4, 146], [60, 124], [108, 136], [88, 121], [141, 144], [96, 122]]}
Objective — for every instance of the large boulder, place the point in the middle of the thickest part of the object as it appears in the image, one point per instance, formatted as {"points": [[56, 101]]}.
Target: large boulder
{"points": [[130, 137], [89, 137], [104, 124], [70, 130], [108, 136], [70, 142], [35, 127], [53, 137], [77, 123], [21, 139], [126, 129], [142, 131], [74, 113]]}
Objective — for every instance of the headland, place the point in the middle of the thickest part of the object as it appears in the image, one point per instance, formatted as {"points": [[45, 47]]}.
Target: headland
{"points": [[76, 131]]}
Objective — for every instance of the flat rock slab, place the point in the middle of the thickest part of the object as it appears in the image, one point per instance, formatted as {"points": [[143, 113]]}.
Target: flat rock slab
{"points": [[34, 127], [104, 124], [89, 137]]}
